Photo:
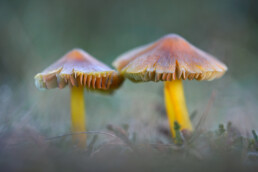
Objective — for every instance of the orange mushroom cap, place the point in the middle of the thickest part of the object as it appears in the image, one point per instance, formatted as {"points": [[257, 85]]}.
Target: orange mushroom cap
{"points": [[167, 59], [76, 68]]}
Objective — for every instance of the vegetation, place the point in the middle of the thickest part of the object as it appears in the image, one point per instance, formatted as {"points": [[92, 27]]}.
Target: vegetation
{"points": [[219, 150]]}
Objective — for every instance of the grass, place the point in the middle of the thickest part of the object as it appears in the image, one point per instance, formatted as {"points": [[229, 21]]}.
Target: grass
{"points": [[220, 150], [118, 148]]}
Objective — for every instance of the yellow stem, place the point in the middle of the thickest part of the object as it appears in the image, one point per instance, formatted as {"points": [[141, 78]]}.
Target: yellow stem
{"points": [[78, 115], [176, 106]]}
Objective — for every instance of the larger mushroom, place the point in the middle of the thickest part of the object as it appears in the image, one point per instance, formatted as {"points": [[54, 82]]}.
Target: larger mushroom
{"points": [[170, 59], [78, 69]]}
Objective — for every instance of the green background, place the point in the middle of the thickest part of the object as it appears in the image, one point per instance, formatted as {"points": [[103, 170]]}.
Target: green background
{"points": [[34, 34]]}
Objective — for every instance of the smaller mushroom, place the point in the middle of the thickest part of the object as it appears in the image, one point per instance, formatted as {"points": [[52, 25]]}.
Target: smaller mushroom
{"points": [[78, 69], [170, 59]]}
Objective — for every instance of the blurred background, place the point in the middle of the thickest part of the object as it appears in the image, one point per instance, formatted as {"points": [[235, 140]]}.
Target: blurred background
{"points": [[34, 34]]}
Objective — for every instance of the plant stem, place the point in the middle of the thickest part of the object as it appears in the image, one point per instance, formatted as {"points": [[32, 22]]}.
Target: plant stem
{"points": [[78, 115], [176, 106]]}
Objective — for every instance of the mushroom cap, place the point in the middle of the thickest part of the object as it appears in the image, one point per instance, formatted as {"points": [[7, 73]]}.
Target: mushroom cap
{"points": [[75, 68], [169, 58]]}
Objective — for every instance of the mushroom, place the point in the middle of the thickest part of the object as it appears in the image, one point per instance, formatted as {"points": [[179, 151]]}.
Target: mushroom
{"points": [[78, 69], [170, 59]]}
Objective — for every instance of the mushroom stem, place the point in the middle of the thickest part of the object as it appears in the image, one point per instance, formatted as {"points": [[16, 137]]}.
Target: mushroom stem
{"points": [[78, 115], [176, 106]]}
